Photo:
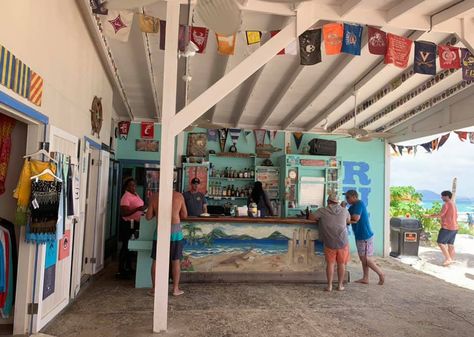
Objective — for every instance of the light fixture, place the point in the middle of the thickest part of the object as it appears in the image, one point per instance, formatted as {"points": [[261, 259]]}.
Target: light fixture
{"points": [[222, 16], [325, 124], [190, 50]]}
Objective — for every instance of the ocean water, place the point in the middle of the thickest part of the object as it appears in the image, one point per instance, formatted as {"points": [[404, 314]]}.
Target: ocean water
{"points": [[463, 208], [223, 246]]}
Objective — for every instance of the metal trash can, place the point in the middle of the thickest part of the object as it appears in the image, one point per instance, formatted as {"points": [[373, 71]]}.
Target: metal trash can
{"points": [[404, 236]]}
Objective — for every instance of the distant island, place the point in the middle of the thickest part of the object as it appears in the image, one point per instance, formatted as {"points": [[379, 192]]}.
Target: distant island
{"points": [[433, 196]]}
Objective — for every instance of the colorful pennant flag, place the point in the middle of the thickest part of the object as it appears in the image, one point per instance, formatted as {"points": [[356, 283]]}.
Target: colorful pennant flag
{"points": [[427, 146], [271, 135], [400, 149], [467, 65], [234, 135], [124, 128], [181, 36], [212, 135], [333, 34], [117, 24], [148, 23], [199, 36], [409, 149], [253, 36], [449, 57], [425, 58], [21, 80], [398, 50], [98, 7], [36, 89], [222, 138], [471, 137], [394, 148], [148, 130], [298, 136], [291, 49], [226, 44], [260, 136], [443, 140], [310, 47], [462, 135], [7, 68], [352, 40], [377, 41], [435, 144]]}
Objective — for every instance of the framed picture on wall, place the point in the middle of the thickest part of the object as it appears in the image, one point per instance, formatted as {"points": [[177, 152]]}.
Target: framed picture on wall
{"points": [[147, 145], [197, 145]]}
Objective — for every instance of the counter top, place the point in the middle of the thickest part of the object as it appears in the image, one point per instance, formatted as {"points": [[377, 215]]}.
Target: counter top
{"points": [[266, 220]]}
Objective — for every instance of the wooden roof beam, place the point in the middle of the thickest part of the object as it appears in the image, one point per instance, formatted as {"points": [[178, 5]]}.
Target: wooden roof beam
{"points": [[245, 94], [348, 6], [402, 8]]}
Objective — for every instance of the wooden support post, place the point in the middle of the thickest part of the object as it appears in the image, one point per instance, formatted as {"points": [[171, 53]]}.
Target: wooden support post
{"points": [[160, 311]]}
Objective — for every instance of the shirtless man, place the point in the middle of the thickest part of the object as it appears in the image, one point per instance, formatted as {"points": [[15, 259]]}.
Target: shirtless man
{"points": [[178, 213]]}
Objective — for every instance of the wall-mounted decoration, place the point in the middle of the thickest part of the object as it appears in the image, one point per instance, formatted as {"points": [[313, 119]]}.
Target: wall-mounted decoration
{"points": [[51, 254], [234, 136], [96, 116], [259, 136], [298, 136], [197, 144], [147, 145], [148, 130], [65, 245], [212, 135], [222, 138], [49, 281], [123, 128]]}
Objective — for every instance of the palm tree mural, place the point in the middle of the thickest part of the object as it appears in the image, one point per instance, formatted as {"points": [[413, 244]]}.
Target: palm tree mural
{"points": [[191, 233]]}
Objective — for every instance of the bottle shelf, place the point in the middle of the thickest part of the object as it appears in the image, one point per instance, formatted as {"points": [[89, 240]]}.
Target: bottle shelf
{"points": [[226, 198], [232, 179]]}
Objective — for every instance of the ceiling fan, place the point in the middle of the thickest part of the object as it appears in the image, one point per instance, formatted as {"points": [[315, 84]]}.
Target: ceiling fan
{"points": [[361, 134]]}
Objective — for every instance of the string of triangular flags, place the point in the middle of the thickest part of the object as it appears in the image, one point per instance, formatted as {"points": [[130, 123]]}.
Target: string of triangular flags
{"points": [[338, 38], [431, 146]]}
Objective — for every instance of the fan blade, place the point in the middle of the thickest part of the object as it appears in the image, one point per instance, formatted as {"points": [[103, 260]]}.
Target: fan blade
{"points": [[380, 134]]}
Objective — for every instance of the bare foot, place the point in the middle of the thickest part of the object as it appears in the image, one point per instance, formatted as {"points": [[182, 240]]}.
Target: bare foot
{"points": [[178, 292], [381, 279], [447, 263], [363, 281], [328, 289], [341, 288]]}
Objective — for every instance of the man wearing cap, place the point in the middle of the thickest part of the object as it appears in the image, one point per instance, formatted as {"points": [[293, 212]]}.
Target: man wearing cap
{"points": [[333, 220], [196, 202]]}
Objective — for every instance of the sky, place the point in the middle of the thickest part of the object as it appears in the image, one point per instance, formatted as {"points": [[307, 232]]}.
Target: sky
{"points": [[435, 171]]}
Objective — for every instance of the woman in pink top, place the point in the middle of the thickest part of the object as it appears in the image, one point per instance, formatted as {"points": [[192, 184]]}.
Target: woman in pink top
{"points": [[449, 227], [131, 209]]}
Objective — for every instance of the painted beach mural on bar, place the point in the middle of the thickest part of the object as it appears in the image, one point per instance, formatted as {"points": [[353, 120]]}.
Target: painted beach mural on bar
{"points": [[251, 248]]}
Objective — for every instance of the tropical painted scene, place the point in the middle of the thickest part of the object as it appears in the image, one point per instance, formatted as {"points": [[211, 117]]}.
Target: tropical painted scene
{"points": [[242, 247]]}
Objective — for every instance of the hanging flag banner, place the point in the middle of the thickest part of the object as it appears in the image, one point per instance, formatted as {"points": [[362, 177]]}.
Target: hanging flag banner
{"points": [[310, 47], [199, 36], [291, 49], [117, 24], [7, 68], [449, 57], [467, 65], [377, 41], [148, 23], [51, 254], [234, 135], [212, 135], [427, 146], [352, 40], [400, 149], [148, 130], [259, 136], [398, 50], [98, 7], [409, 149], [435, 144], [394, 148], [443, 140], [425, 58], [222, 138], [298, 136], [181, 36], [271, 135], [462, 135], [471, 137], [226, 44], [36, 88], [333, 34], [21, 80], [124, 128], [415, 150], [253, 36]]}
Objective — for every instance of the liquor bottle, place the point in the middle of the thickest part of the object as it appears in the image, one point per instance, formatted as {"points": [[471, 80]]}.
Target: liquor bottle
{"points": [[241, 174], [252, 173], [224, 192], [232, 191]]}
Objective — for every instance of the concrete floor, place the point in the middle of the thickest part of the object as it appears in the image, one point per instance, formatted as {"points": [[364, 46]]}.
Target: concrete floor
{"points": [[411, 304]]}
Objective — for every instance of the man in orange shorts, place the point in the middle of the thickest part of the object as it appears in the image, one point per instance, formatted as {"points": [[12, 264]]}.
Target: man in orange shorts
{"points": [[333, 221]]}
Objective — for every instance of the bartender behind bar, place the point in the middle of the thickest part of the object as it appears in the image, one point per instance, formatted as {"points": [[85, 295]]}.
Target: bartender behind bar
{"points": [[131, 209], [196, 202]]}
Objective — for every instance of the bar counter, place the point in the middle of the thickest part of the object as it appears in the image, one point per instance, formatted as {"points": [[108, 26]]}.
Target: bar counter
{"points": [[239, 248]]}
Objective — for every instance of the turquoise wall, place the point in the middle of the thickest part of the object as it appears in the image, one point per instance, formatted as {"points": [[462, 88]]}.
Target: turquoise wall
{"points": [[364, 166]]}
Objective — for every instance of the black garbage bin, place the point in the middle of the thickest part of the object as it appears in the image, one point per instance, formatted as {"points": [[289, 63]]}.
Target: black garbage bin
{"points": [[404, 236]]}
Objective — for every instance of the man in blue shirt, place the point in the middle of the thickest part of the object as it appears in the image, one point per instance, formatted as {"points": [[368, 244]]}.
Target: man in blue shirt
{"points": [[364, 236]]}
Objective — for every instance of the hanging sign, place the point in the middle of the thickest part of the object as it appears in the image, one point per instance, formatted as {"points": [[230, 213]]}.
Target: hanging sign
{"points": [[222, 138], [148, 130], [124, 128]]}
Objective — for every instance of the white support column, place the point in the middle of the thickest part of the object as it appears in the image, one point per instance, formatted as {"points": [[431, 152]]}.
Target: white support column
{"points": [[386, 234], [237, 75], [160, 310]]}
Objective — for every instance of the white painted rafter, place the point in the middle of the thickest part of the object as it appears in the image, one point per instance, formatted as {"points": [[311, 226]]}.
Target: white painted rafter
{"points": [[457, 11], [221, 68], [401, 8], [348, 6], [245, 94]]}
